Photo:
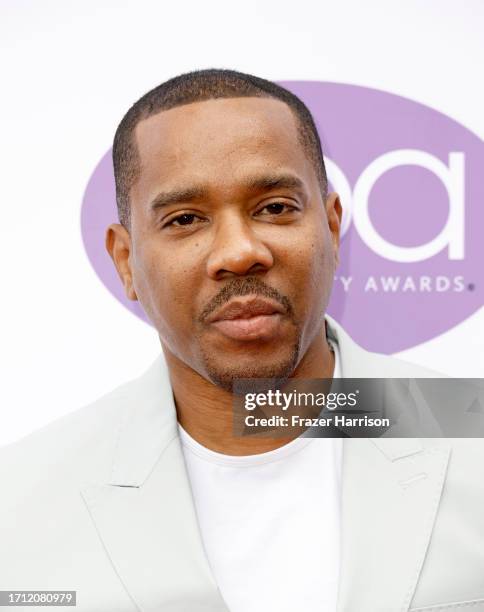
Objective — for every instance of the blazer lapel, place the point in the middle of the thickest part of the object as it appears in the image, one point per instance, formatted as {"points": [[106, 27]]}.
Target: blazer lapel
{"points": [[391, 490], [145, 515], [390, 496]]}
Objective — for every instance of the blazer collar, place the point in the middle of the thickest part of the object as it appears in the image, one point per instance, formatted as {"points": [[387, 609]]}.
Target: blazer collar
{"points": [[147, 425]]}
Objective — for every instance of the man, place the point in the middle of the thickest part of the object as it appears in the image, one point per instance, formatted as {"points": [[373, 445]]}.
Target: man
{"points": [[146, 500]]}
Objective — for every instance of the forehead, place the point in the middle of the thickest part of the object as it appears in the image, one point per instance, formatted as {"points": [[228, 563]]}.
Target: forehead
{"points": [[218, 141]]}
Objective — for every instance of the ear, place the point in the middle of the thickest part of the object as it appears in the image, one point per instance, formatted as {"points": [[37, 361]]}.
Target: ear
{"points": [[334, 213], [118, 245]]}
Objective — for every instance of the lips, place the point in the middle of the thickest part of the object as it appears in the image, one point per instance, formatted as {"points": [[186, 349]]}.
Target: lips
{"points": [[245, 307], [248, 318]]}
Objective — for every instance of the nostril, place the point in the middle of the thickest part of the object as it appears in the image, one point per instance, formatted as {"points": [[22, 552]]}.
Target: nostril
{"points": [[222, 274], [257, 267]]}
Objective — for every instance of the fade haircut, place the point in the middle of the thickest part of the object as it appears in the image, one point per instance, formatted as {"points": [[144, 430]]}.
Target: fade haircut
{"points": [[199, 86]]}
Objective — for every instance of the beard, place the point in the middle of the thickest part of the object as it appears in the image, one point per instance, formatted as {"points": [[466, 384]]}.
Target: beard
{"points": [[253, 376]]}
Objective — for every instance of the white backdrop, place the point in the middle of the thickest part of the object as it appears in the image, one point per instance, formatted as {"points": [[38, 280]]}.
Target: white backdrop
{"points": [[69, 72]]}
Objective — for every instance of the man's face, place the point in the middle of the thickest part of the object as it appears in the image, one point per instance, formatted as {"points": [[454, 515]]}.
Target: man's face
{"points": [[231, 249]]}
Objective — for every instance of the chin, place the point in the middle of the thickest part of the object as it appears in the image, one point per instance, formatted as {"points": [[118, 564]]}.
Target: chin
{"points": [[228, 376]]}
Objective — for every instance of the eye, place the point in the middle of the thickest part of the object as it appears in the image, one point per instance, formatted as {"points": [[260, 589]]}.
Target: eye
{"points": [[185, 219], [275, 208]]}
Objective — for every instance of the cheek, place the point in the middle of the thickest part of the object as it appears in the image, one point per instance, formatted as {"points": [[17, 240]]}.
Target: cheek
{"points": [[165, 285], [312, 254], [310, 270]]}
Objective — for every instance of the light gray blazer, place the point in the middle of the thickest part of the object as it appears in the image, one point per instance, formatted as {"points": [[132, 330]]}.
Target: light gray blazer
{"points": [[99, 502]]}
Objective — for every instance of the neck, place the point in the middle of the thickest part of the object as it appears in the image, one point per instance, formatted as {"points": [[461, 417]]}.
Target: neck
{"points": [[204, 410]]}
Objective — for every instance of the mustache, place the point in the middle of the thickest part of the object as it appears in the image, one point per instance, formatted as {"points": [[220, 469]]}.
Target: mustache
{"points": [[245, 286]]}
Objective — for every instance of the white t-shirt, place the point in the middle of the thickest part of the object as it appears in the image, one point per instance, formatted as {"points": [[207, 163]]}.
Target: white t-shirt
{"points": [[270, 523]]}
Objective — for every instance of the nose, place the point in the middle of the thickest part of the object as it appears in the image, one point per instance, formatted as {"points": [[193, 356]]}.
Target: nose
{"points": [[237, 250]]}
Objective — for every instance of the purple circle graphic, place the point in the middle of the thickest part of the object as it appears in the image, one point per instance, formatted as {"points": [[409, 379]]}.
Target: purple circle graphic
{"points": [[410, 182], [397, 222]]}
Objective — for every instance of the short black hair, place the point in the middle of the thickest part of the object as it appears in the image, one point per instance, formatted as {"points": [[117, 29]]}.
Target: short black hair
{"points": [[199, 86]]}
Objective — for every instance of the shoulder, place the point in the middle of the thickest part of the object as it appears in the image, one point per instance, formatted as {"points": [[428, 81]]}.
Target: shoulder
{"points": [[59, 444], [386, 366], [77, 446], [43, 476], [360, 363]]}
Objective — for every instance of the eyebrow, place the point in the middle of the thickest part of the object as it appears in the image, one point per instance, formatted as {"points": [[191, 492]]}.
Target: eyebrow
{"points": [[177, 196], [259, 183], [275, 181]]}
